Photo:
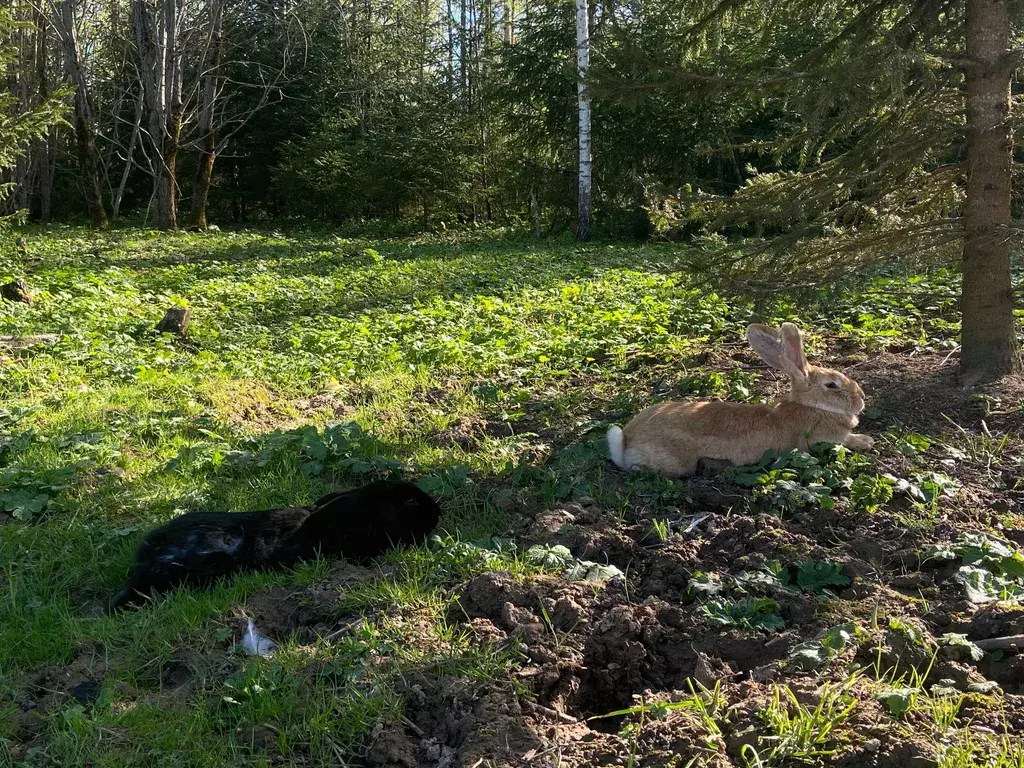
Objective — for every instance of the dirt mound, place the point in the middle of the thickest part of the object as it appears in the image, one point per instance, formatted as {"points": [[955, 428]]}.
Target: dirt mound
{"points": [[615, 669]]}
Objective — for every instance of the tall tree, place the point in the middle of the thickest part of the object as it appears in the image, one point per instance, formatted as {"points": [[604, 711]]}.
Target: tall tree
{"points": [[913, 163], [990, 346], [211, 78], [23, 122], [155, 24], [85, 136], [583, 97]]}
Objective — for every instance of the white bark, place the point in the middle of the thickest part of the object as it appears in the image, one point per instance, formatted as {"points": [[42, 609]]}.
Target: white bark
{"points": [[583, 98]]}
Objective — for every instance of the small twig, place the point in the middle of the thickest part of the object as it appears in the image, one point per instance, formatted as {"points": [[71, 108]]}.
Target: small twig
{"points": [[343, 629], [1001, 643], [946, 358], [413, 727], [542, 710]]}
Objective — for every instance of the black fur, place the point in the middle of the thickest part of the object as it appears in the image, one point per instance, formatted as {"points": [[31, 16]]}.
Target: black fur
{"points": [[200, 547]]}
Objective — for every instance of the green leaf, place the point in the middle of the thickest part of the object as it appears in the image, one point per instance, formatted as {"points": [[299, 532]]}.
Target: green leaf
{"points": [[588, 571], [837, 638], [704, 585], [953, 640], [810, 656], [750, 613], [24, 504], [898, 700], [556, 557], [820, 576], [983, 586]]}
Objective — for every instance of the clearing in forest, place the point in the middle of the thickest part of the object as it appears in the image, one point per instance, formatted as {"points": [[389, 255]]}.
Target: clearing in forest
{"points": [[831, 608]]}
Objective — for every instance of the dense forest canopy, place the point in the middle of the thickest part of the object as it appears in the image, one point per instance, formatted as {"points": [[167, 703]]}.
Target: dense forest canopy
{"points": [[431, 111]]}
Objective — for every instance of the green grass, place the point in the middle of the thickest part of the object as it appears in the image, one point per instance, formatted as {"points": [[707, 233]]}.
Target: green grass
{"points": [[488, 368]]}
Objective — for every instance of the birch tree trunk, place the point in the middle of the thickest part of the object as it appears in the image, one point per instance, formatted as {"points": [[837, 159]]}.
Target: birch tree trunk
{"points": [[85, 137], [583, 98], [989, 345], [208, 150]]}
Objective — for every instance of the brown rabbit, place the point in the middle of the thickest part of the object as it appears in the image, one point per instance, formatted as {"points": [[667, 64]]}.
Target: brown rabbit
{"points": [[822, 406]]}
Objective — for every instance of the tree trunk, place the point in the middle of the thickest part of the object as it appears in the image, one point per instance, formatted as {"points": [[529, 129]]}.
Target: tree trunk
{"points": [[88, 156], [47, 151], [989, 346], [47, 170], [535, 208], [583, 97], [160, 72], [128, 161], [208, 153]]}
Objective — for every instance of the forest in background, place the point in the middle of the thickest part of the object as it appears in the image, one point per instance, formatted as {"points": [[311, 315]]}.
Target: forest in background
{"points": [[795, 142], [454, 111], [440, 113]]}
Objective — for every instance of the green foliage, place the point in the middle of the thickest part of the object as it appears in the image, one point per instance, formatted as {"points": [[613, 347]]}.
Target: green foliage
{"points": [[21, 124], [958, 641], [816, 576], [559, 558], [817, 654], [991, 569], [795, 480], [820, 479], [749, 613], [898, 701], [800, 733], [474, 366], [660, 529], [869, 492]]}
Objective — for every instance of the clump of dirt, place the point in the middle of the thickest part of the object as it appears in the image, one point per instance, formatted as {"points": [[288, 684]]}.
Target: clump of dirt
{"points": [[308, 613], [467, 432], [250, 404], [452, 721], [332, 403]]}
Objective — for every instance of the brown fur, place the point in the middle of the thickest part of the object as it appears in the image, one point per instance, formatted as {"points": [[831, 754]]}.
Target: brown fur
{"points": [[822, 406]]}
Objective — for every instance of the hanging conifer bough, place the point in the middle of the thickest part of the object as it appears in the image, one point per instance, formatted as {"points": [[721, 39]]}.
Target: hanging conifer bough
{"points": [[901, 136]]}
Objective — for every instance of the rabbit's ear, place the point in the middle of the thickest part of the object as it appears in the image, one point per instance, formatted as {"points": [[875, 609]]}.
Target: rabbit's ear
{"points": [[766, 342], [793, 358]]}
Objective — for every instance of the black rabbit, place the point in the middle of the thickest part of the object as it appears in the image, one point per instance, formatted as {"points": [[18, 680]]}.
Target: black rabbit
{"points": [[200, 547]]}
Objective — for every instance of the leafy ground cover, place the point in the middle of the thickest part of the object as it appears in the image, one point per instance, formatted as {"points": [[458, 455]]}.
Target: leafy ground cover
{"points": [[829, 608]]}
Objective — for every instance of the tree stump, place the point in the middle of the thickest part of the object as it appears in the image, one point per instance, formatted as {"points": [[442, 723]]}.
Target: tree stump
{"points": [[16, 290], [175, 321]]}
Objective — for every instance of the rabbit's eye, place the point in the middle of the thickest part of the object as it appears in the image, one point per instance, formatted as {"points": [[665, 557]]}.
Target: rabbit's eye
{"points": [[831, 385]]}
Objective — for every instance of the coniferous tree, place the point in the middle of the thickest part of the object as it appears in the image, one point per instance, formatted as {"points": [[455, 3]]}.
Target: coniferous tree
{"points": [[898, 147], [21, 124]]}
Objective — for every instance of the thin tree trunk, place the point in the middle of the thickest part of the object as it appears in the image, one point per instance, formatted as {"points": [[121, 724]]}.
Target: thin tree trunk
{"points": [[463, 49], [989, 341], [128, 161], [508, 16], [208, 153], [175, 107], [583, 98], [19, 87], [47, 149], [451, 48], [88, 156], [535, 206]]}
